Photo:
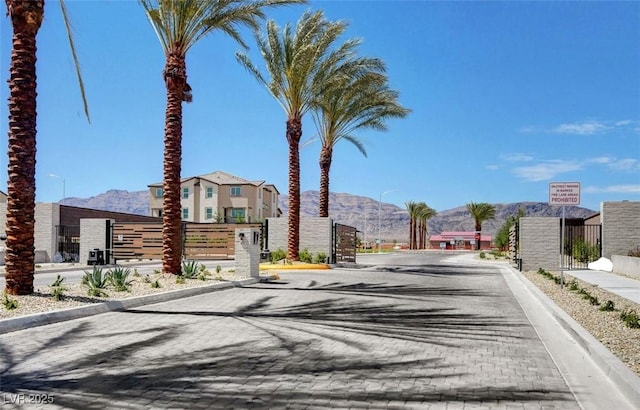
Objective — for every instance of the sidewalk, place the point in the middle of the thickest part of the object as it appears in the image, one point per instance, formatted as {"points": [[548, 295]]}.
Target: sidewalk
{"points": [[620, 285]]}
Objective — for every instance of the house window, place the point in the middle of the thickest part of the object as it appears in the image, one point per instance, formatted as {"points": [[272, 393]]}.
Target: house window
{"points": [[235, 191], [185, 193], [185, 213], [208, 213], [237, 212], [159, 192], [209, 192]]}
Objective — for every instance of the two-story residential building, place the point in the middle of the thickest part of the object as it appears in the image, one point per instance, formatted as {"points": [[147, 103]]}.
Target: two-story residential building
{"points": [[222, 198]]}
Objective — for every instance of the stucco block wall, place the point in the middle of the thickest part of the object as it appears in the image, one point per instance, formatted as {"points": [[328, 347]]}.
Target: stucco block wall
{"points": [[620, 227], [47, 217], [316, 234], [247, 252], [93, 234], [540, 243]]}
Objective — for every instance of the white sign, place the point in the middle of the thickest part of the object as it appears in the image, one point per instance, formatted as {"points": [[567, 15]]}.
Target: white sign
{"points": [[564, 193]]}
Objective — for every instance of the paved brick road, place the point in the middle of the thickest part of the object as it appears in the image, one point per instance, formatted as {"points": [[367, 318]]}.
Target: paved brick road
{"points": [[432, 337]]}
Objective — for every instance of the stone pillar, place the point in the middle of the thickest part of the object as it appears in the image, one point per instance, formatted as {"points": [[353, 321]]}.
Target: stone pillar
{"points": [[540, 243], [247, 251]]}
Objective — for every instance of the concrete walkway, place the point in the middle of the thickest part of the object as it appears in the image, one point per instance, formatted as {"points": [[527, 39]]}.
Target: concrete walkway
{"points": [[416, 335], [620, 285]]}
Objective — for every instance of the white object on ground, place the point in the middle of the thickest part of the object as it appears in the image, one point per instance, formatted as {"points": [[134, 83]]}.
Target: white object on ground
{"points": [[603, 264]]}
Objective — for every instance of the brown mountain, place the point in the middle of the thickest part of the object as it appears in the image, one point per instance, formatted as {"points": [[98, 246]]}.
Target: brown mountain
{"points": [[353, 210]]}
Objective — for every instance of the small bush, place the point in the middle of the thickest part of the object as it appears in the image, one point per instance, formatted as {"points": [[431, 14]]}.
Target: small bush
{"points": [[218, 269], [190, 269], [57, 290], [482, 255], [136, 274], [321, 257], [156, 284], [573, 286], [305, 256], [202, 276], [630, 318], [584, 252], [96, 282], [119, 278], [156, 271], [608, 306], [146, 279], [278, 255], [9, 303], [634, 252], [180, 280]]}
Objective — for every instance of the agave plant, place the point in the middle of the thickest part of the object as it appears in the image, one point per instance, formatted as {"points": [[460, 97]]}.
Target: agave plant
{"points": [[190, 269], [119, 278], [96, 282]]}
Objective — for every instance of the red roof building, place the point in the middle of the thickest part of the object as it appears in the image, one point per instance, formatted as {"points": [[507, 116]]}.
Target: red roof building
{"points": [[459, 240]]}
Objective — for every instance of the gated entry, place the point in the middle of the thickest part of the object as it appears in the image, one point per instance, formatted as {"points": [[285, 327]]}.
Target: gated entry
{"points": [[582, 244], [344, 240], [68, 243]]}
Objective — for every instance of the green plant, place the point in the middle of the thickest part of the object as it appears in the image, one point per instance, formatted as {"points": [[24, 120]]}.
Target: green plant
{"points": [[305, 256], [584, 252], [156, 284], [218, 269], [608, 306], [57, 290], [202, 276], [96, 282], [630, 318], [180, 280], [482, 255], [136, 274], [156, 271], [573, 286], [190, 269], [321, 257], [119, 278], [9, 303], [146, 279], [278, 255]]}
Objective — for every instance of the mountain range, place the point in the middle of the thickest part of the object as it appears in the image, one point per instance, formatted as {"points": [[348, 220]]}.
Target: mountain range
{"points": [[369, 216]]}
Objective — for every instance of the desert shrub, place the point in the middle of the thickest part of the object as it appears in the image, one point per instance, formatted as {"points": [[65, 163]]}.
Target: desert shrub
{"points": [[156, 284], [482, 255], [95, 282], [218, 269], [585, 252], [9, 303], [305, 256], [119, 278], [634, 252], [321, 257], [278, 255], [630, 318], [180, 280], [57, 290], [608, 306]]}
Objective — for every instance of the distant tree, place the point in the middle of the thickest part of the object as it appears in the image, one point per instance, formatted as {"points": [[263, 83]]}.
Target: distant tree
{"points": [[502, 236], [480, 212], [412, 210], [179, 25], [298, 64], [26, 19], [424, 213]]}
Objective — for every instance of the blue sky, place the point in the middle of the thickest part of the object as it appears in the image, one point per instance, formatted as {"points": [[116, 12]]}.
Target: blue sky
{"points": [[506, 97]]}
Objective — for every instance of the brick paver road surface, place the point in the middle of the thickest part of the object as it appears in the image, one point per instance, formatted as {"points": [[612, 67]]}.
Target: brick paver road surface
{"points": [[386, 338]]}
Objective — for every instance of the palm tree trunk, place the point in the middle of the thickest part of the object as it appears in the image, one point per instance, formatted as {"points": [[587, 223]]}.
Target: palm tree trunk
{"points": [[415, 232], [478, 235], [325, 165], [26, 18], [175, 77], [294, 133]]}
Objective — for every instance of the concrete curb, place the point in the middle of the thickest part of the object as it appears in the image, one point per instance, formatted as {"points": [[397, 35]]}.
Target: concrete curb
{"points": [[40, 319], [626, 380]]}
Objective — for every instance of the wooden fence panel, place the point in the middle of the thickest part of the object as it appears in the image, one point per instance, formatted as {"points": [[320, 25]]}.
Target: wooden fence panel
{"points": [[133, 240]]}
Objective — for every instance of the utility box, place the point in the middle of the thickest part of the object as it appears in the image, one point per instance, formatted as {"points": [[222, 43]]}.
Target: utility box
{"points": [[247, 251], [96, 257]]}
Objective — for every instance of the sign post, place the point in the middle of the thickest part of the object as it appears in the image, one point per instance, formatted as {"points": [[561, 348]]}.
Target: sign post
{"points": [[563, 193]]}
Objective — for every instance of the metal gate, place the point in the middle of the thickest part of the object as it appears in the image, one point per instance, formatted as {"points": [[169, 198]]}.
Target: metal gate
{"points": [[582, 244], [68, 242], [344, 243]]}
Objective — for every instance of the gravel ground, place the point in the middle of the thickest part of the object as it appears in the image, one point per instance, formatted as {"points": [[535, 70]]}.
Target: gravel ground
{"points": [[622, 341], [76, 294]]}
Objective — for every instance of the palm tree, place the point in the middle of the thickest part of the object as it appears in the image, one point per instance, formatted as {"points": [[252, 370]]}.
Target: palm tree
{"points": [[26, 19], [412, 209], [424, 213], [358, 99], [179, 25], [299, 64], [480, 212]]}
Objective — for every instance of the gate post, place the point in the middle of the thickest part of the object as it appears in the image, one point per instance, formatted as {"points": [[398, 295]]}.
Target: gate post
{"points": [[247, 251]]}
